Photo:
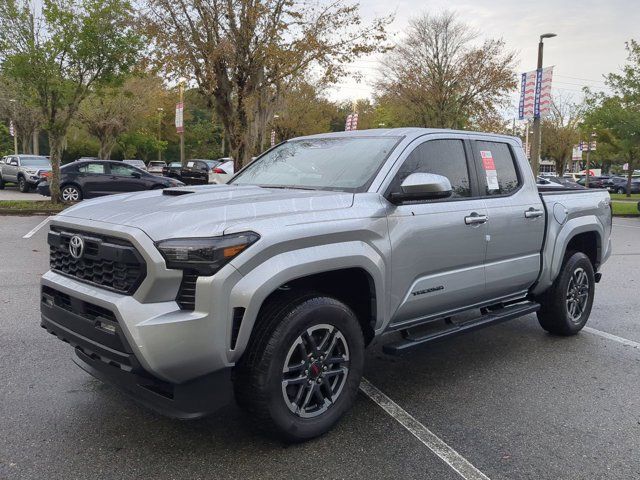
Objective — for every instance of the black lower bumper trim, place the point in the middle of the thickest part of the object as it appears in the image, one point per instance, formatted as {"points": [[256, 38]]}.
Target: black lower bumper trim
{"points": [[190, 400]]}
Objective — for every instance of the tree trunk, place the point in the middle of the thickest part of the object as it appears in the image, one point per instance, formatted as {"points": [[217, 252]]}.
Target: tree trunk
{"points": [[36, 142], [26, 144], [55, 152]]}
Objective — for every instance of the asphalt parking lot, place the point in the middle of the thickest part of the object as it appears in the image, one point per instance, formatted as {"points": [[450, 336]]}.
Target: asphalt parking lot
{"points": [[507, 402], [11, 192]]}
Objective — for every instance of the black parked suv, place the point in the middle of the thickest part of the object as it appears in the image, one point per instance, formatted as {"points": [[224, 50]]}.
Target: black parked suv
{"points": [[199, 171], [95, 178]]}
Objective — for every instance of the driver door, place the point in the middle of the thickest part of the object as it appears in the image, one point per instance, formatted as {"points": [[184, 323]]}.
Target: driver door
{"points": [[438, 246], [125, 178]]}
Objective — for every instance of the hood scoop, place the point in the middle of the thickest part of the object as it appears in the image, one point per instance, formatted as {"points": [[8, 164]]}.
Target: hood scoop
{"points": [[175, 193]]}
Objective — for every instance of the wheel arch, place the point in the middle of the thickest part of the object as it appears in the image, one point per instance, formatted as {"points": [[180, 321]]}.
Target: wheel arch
{"points": [[357, 268]]}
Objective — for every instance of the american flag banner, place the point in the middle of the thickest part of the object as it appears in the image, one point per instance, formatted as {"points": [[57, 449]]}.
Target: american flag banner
{"points": [[347, 123], [12, 129], [354, 121], [527, 95], [273, 138], [543, 100]]}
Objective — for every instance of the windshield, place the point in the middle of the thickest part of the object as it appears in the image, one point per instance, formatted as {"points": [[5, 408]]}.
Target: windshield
{"points": [[35, 162], [175, 164], [340, 163], [156, 164], [213, 163]]}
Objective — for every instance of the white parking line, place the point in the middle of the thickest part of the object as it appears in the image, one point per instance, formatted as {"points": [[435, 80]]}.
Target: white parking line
{"points": [[422, 433], [615, 338], [627, 226], [33, 231]]}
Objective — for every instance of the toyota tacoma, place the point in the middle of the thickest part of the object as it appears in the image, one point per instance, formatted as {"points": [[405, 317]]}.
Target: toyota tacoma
{"points": [[268, 289]]}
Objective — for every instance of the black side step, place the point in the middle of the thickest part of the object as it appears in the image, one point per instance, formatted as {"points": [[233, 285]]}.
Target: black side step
{"points": [[491, 318]]}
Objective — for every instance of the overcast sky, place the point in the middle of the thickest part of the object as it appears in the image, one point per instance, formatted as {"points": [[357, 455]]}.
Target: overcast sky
{"points": [[590, 41]]}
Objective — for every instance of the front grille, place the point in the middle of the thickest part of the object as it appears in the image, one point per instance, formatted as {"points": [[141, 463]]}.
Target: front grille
{"points": [[186, 298], [111, 263]]}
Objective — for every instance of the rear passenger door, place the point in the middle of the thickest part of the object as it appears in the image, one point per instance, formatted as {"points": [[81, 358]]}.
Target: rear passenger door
{"points": [[516, 219], [438, 246], [93, 179]]}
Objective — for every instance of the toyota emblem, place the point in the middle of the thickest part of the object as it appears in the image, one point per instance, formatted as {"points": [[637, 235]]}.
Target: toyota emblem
{"points": [[76, 247]]}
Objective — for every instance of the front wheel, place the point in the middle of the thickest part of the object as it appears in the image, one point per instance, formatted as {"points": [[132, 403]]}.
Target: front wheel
{"points": [[23, 185], [621, 190], [302, 367], [566, 306]]}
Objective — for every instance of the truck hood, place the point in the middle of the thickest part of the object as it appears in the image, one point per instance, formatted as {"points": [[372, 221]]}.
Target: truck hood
{"points": [[206, 210]]}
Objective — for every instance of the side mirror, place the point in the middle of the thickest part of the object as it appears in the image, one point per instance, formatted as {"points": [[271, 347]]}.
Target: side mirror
{"points": [[422, 186]]}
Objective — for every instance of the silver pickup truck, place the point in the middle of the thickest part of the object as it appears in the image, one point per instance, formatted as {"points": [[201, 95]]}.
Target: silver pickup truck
{"points": [[268, 289], [24, 170]]}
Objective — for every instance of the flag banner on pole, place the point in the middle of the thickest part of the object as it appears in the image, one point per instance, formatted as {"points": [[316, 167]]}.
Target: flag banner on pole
{"points": [[179, 117], [354, 121], [544, 101], [347, 123], [12, 130], [527, 95], [273, 138], [536, 102]]}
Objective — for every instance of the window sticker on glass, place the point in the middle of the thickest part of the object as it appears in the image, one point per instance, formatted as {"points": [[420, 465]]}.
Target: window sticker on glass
{"points": [[490, 170], [190, 164]]}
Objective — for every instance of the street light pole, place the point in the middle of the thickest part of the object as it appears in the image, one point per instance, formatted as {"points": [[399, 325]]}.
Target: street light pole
{"points": [[160, 110], [15, 128], [537, 137], [182, 81]]}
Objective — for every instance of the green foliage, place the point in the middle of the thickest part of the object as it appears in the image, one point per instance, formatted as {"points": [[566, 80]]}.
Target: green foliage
{"points": [[6, 142], [141, 144], [58, 57], [616, 116]]}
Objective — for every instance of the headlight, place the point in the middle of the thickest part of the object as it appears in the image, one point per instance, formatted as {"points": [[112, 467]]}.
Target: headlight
{"points": [[204, 255], [30, 171]]}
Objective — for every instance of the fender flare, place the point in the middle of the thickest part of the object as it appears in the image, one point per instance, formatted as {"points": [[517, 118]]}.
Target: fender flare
{"points": [[252, 290]]}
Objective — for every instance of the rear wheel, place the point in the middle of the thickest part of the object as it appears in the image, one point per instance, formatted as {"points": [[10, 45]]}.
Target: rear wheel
{"points": [[70, 193], [566, 306], [621, 190], [302, 367]]}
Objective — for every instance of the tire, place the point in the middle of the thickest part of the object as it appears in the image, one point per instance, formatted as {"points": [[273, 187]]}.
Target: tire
{"points": [[23, 185], [1, 184], [288, 327], [566, 306], [70, 193], [621, 190]]}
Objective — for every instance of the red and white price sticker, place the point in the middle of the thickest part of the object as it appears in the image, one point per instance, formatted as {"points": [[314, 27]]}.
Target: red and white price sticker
{"points": [[490, 170]]}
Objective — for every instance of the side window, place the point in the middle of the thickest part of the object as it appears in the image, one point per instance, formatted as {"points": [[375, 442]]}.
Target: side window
{"points": [[442, 157], [498, 170], [94, 168], [123, 170]]}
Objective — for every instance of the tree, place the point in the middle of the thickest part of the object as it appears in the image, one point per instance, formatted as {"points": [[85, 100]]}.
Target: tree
{"points": [[15, 105], [58, 57], [438, 77], [561, 131], [243, 54], [113, 110], [616, 115]]}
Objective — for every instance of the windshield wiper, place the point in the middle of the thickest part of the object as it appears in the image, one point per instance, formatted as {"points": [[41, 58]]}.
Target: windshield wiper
{"points": [[288, 187]]}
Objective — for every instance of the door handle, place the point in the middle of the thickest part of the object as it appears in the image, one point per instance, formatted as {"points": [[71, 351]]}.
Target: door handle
{"points": [[475, 219], [533, 213]]}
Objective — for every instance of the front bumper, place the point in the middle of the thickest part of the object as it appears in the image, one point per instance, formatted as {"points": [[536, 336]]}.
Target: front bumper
{"points": [[103, 350]]}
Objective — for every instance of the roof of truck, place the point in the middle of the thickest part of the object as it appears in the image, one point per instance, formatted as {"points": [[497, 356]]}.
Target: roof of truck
{"points": [[407, 132]]}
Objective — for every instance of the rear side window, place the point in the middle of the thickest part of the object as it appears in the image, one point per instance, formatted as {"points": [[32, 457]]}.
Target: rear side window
{"points": [[497, 168], [442, 157], [91, 168]]}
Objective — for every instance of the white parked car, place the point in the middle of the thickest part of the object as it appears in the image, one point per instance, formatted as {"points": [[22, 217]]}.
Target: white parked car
{"points": [[155, 167], [223, 172]]}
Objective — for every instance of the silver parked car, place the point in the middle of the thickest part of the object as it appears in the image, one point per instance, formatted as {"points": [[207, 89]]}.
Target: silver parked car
{"points": [[269, 288]]}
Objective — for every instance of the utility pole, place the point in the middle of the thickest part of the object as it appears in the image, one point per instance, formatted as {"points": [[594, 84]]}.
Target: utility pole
{"points": [[586, 178], [182, 81], [160, 110], [13, 124], [537, 138], [526, 140]]}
